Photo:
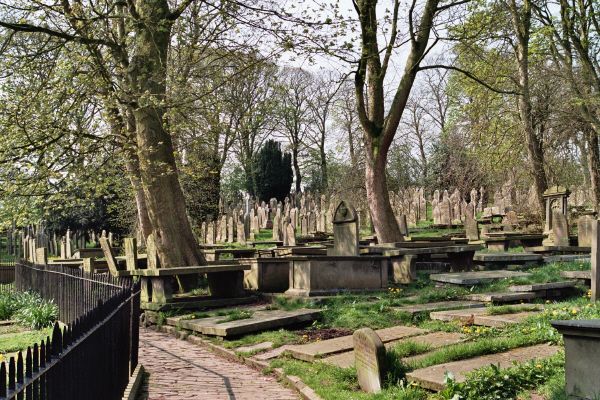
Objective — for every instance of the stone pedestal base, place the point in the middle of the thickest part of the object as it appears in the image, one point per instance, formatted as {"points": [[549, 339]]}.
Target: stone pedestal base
{"points": [[318, 276], [227, 284], [582, 352], [403, 269]]}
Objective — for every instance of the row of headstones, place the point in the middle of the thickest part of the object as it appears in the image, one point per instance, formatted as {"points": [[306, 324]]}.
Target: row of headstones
{"points": [[61, 246]]}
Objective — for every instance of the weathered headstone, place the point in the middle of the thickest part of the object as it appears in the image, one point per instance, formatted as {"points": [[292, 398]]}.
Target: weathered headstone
{"points": [[152, 254], [130, 253], [241, 233], [277, 227], [369, 353], [291, 235], [585, 225], [471, 227], [345, 230], [41, 255], [230, 231], [560, 229]]}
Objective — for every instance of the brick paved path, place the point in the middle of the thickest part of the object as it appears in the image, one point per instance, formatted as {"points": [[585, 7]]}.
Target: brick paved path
{"points": [[183, 371]]}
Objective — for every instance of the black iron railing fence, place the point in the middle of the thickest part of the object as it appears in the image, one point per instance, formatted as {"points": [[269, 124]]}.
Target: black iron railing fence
{"points": [[74, 291], [90, 358]]}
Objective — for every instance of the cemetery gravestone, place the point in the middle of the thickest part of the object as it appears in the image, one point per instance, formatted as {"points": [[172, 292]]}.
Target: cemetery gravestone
{"points": [[369, 353], [403, 225], [560, 229], [345, 230], [291, 235], [471, 227], [584, 230]]}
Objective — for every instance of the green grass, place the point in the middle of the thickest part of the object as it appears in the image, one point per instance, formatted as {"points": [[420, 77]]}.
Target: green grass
{"points": [[236, 315], [20, 340]]}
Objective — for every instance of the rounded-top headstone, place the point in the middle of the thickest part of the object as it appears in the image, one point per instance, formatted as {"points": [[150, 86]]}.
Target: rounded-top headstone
{"points": [[369, 354]]}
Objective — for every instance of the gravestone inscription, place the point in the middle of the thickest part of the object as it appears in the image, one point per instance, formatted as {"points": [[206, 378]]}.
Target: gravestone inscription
{"points": [[345, 230]]}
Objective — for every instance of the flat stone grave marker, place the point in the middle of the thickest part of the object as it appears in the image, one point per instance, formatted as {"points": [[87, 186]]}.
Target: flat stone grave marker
{"points": [[370, 359], [502, 297], [474, 278], [441, 305], [260, 320], [434, 339], [501, 319], [576, 274], [506, 258], [433, 377], [311, 351], [542, 286], [465, 314]]}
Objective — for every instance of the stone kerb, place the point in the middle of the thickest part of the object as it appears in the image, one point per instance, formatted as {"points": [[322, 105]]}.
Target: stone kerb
{"points": [[345, 230], [369, 353]]}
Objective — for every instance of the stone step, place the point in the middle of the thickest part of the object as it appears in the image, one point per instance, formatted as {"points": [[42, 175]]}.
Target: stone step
{"points": [[503, 297], [432, 378], [465, 314], [476, 277], [311, 351], [260, 320], [440, 305], [542, 286], [434, 339]]}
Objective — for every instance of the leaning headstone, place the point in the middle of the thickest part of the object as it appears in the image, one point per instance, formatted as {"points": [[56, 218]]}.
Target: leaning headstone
{"points": [[345, 230], [403, 225], [560, 229], [369, 354], [585, 225]]}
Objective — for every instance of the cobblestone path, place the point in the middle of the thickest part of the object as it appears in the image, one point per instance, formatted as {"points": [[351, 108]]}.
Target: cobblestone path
{"points": [[183, 371]]}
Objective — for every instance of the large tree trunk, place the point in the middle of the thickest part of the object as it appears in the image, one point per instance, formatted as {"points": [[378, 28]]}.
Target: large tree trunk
{"points": [[382, 215], [297, 169], [379, 129], [593, 156], [175, 242], [521, 20]]}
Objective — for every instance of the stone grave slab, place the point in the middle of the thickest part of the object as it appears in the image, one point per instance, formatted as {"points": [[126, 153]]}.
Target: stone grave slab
{"points": [[433, 377], [260, 320], [542, 286], [311, 351], [474, 278], [506, 258], [576, 274], [370, 358], [501, 319], [503, 297], [434, 339], [465, 314], [567, 258], [440, 305]]}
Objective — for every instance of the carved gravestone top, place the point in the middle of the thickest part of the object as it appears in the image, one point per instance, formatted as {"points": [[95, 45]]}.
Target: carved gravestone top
{"points": [[369, 354], [345, 230]]}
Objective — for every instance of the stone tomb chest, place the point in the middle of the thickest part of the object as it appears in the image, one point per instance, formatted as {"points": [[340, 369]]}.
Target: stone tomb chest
{"points": [[343, 269]]}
